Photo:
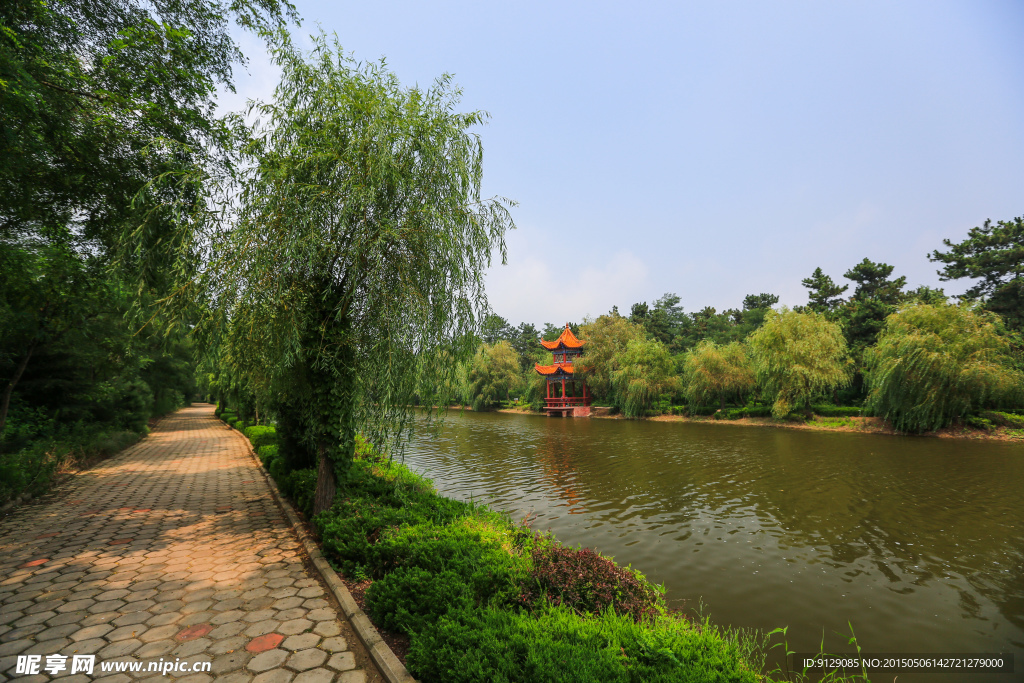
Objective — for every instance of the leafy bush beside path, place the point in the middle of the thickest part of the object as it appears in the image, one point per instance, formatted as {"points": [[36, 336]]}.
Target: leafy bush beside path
{"points": [[485, 599]]}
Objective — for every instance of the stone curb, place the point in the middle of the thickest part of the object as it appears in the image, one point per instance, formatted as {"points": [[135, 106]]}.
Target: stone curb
{"points": [[389, 665]]}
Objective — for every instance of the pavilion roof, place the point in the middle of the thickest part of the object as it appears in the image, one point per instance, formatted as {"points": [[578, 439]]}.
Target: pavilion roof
{"points": [[552, 369], [566, 339]]}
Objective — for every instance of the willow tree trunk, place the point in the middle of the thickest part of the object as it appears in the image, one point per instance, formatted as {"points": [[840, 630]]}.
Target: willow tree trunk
{"points": [[326, 482], [335, 404]]}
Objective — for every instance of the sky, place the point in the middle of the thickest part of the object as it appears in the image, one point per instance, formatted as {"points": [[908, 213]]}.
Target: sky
{"points": [[712, 149]]}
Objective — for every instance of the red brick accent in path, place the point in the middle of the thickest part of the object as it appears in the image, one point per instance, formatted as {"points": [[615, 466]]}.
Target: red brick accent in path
{"points": [[34, 563], [122, 541], [264, 643], [193, 632]]}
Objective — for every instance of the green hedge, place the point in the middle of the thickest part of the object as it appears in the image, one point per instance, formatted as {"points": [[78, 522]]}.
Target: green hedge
{"points": [[261, 435], [266, 454], [701, 411], [1002, 418], [826, 410], [747, 411], [485, 599], [471, 645]]}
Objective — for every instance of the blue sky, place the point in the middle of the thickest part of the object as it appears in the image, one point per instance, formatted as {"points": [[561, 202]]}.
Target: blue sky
{"points": [[713, 149]]}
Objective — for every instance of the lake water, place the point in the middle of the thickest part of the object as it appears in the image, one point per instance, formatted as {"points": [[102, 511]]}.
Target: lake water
{"points": [[917, 542]]}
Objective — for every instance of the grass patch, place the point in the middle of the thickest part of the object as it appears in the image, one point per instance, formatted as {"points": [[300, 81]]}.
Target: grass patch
{"points": [[833, 422]]}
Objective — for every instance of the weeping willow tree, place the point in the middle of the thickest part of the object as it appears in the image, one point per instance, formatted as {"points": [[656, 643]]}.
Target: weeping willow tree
{"points": [[714, 371], [349, 269], [934, 364], [492, 375], [607, 338], [798, 358], [645, 373]]}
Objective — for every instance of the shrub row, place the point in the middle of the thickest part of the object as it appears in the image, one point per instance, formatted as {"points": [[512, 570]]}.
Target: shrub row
{"points": [[825, 410], [485, 599]]}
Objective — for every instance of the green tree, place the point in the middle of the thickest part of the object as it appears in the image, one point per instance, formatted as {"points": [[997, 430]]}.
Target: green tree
{"points": [[494, 328], [714, 372], [553, 332], [934, 364], [875, 297], [798, 357], [98, 98], [493, 375], [606, 339], [824, 295], [994, 256], [526, 341], [353, 264], [645, 373]]}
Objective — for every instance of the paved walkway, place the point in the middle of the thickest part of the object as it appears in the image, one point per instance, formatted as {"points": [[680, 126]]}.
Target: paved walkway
{"points": [[172, 550]]}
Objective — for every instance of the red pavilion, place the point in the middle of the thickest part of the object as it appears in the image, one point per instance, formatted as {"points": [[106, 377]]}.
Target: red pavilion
{"points": [[562, 384]]}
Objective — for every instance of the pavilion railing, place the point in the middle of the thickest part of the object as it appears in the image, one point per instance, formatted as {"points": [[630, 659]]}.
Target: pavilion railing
{"points": [[566, 402]]}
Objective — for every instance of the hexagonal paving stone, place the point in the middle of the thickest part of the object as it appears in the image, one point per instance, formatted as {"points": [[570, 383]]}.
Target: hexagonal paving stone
{"points": [[264, 661], [261, 628], [120, 648], [315, 676], [124, 632], [48, 647], [159, 633], [334, 644], [300, 642], [274, 676], [192, 647], [327, 628], [322, 614], [357, 676], [157, 648], [293, 613], [306, 659], [230, 661], [195, 678], [342, 661], [264, 642], [259, 615], [193, 632], [242, 676], [96, 631], [84, 647]]}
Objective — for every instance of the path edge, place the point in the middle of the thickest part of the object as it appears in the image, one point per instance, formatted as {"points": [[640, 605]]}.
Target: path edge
{"points": [[387, 662]]}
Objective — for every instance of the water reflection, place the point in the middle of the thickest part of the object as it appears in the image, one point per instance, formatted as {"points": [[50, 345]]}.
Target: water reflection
{"points": [[918, 542]]}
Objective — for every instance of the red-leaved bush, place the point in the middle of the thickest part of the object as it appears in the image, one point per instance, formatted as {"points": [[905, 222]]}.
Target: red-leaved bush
{"points": [[588, 582]]}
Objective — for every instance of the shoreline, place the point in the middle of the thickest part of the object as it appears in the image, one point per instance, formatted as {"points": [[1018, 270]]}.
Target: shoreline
{"points": [[861, 425]]}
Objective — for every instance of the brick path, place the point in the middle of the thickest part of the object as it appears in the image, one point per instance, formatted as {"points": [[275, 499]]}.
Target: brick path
{"points": [[172, 549]]}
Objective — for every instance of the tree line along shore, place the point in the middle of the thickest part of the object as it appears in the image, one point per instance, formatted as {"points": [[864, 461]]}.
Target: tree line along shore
{"points": [[915, 360]]}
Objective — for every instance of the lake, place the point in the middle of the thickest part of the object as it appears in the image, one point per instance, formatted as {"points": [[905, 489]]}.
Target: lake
{"points": [[917, 542]]}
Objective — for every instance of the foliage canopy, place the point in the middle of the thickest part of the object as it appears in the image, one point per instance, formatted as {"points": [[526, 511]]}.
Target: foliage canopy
{"points": [[933, 364], [493, 373], [352, 268], [715, 372], [798, 357]]}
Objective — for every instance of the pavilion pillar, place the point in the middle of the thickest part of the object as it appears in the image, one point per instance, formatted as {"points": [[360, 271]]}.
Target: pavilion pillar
{"points": [[563, 390]]}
